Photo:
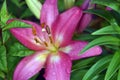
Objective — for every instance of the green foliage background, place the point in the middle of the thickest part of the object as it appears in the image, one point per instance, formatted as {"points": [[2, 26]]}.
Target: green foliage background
{"points": [[104, 30]]}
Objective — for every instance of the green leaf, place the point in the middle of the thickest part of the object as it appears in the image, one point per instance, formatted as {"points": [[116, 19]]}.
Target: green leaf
{"points": [[118, 77], [87, 37], [104, 40], [26, 13], [108, 30], [18, 49], [4, 14], [16, 2], [60, 5], [102, 13], [98, 77], [15, 24], [3, 59], [83, 63], [113, 66], [78, 74], [5, 36], [2, 24], [69, 3], [110, 3], [35, 6], [98, 67], [12, 63], [79, 2], [2, 75]]}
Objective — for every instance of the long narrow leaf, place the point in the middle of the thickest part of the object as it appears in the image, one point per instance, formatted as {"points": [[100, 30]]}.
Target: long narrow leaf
{"points": [[98, 67], [114, 4], [104, 40], [118, 77], [3, 59], [35, 6], [16, 24], [113, 66], [108, 30], [4, 13], [102, 13]]}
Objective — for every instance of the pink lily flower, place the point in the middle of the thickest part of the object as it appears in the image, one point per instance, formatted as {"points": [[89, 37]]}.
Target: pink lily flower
{"points": [[86, 17], [52, 43]]}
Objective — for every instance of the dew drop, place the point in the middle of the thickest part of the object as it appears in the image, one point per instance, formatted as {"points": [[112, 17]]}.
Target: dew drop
{"points": [[68, 71], [53, 73]]}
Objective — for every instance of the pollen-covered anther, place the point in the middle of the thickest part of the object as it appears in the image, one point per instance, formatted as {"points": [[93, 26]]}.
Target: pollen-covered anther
{"points": [[49, 33], [48, 29], [51, 41], [34, 32], [37, 40], [45, 44], [43, 25]]}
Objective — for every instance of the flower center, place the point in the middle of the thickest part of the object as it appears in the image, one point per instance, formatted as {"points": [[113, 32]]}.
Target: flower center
{"points": [[45, 39]]}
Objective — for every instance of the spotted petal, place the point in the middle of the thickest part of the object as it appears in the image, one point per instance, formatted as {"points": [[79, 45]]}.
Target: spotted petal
{"points": [[65, 25], [26, 35], [49, 12], [58, 67], [73, 50], [29, 66]]}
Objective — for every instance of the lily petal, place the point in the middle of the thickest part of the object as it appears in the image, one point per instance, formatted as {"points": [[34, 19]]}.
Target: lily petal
{"points": [[85, 5], [84, 22], [65, 25], [49, 12], [75, 47], [26, 36], [29, 66], [58, 67]]}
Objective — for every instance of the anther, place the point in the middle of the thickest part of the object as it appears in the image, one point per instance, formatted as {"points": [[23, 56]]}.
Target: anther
{"points": [[48, 29], [34, 31], [45, 44], [43, 25], [51, 41], [37, 41], [49, 33]]}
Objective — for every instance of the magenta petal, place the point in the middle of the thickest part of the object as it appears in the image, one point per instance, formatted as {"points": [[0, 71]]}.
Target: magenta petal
{"points": [[26, 36], [85, 5], [108, 8], [75, 47], [29, 66], [58, 67], [49, 12], [84, 22], [65, 25]]}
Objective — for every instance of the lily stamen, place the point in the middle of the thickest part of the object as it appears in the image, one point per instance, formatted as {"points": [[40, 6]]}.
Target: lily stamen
{"points": [[46, 44], [37, 40], [43, 25], [34, 32]]}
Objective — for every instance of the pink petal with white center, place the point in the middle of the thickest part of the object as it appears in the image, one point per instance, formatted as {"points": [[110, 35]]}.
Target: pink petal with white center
{"points": [[49, 12], [73, 50], [29, 66], [26, 36], [84, 22], [58, 67], [65, 25]]}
